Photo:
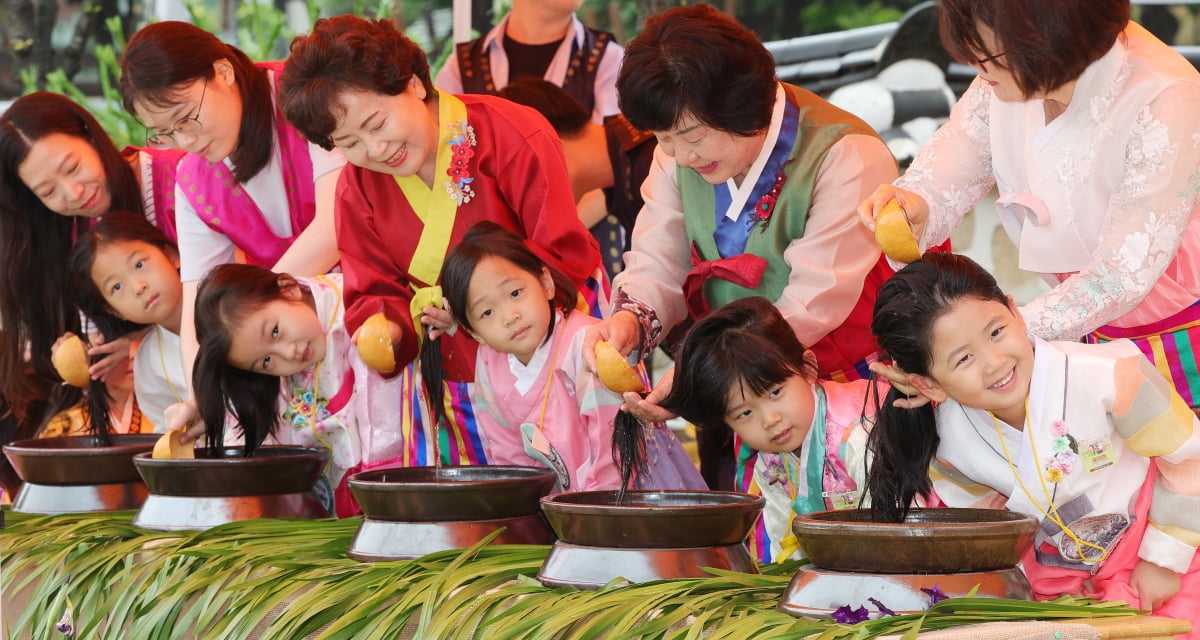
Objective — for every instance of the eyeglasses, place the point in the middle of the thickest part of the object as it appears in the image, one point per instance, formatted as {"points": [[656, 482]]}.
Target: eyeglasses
{"points": [[190, 125], [983, 62]]}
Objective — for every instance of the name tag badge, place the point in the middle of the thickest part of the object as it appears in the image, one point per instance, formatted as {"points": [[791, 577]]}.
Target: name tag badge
{"points": [[1097, 454], [842, 500]]}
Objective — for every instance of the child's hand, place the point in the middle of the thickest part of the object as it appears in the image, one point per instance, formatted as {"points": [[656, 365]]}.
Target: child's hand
{"points": [[439, 321], [622, 331], [1154, 585], [184, 415], [116, 356], [899, 381], [646, 409]]}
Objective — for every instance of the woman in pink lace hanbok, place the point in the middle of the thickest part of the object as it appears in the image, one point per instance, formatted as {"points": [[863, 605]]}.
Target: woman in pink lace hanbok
{"points": [[1085, 124]]}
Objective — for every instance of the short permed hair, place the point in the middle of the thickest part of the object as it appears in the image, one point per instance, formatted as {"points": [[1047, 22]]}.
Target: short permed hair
{"points": [[696, 60], [346, 53]]}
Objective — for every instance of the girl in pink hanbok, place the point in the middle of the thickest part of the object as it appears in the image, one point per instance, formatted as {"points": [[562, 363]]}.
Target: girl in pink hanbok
{"points": [[274, 349], [536, 402], [804, 440]]}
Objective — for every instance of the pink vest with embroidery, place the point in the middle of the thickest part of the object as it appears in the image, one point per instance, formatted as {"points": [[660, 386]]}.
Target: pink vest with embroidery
{"points": [[164, 165], [224, 205]]}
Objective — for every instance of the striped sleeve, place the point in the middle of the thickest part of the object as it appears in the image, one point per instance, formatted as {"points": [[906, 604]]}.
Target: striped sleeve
{"points": [[954, 489], [1157, 423]]}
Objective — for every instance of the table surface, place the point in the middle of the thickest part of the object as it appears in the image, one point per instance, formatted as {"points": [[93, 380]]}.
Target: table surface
{"points": [[1142, 627], [152, 584]]}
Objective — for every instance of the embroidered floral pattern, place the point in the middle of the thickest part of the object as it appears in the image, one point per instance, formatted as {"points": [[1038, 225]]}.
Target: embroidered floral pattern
{"points": [[1066, 452], [303, 407], [652, 329], [775, 470], [462, 143], [1145, 217], [766, 204]]}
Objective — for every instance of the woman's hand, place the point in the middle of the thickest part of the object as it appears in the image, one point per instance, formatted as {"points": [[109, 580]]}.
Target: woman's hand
{"points": [[914, 207], [646, 409], [622, 331], [899, 381], [116, 356], [1154, 585], [185, 416]]}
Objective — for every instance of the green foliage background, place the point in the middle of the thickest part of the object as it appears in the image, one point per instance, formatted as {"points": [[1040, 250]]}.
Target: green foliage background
{"points": [[262, 32]]}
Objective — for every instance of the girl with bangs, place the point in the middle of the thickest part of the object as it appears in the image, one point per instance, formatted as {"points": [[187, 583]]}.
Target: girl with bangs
{"points": [[536, 401], [1087, 438], [276, 365], [804, 440], [125, 277]]}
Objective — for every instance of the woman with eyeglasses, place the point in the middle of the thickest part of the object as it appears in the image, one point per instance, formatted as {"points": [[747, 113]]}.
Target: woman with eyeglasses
{"points": [[1087, 126], [250, 186]]}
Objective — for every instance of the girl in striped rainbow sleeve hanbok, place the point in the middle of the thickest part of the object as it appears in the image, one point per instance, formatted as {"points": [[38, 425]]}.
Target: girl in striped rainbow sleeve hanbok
{"points": [[1089, 438]]}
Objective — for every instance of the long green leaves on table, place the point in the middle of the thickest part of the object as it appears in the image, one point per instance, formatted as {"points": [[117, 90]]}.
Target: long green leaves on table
{"points": [[290, 579]]}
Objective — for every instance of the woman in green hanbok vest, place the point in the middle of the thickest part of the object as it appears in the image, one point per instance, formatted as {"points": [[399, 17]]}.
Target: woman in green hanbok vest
{"points": [[752, 192]]}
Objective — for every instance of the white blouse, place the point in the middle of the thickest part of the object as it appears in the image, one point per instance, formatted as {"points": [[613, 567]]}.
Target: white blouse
{"points": [[1101, 201]]}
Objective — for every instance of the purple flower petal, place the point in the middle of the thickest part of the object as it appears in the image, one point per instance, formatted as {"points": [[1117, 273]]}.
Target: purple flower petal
{"points": [[845, 615], [881, 607], [935, 594]]}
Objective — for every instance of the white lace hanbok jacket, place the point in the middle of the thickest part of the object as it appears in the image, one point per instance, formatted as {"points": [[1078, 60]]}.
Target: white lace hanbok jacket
{"points": [[1102, 201]]}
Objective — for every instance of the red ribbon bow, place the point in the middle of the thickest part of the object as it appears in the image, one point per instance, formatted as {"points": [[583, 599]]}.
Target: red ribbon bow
{"points": [[744, 270]]}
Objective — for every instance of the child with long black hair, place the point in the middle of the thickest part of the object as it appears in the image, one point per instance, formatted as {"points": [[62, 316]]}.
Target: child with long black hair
{"points": [[804, 440], [276, 357], [1089, 438], [125, 276], [535, 401]]}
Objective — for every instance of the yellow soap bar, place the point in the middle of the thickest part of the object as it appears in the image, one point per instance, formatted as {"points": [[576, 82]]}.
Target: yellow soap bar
{"points": [[614, 370], [895, 236], [71, 362], [375, 344]]}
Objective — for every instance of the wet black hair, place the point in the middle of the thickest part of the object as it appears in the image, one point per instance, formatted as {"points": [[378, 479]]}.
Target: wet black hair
{"points": [[225, 297], [903, 441]]}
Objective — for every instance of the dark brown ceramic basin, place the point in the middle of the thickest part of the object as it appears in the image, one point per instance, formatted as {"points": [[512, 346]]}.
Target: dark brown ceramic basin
{"points": [[78, 460], [427, 494], [273, 470], [928, 541], [652, 519]]}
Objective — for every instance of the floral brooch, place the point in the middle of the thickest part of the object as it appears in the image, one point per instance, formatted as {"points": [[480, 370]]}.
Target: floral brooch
{"points": [[1066, 452], [462, 144], [766, 204]]}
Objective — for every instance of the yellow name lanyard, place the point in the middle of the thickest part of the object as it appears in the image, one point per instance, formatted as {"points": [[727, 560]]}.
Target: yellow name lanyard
{"points": [[1052, 514]]}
